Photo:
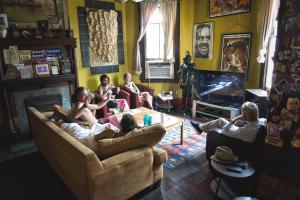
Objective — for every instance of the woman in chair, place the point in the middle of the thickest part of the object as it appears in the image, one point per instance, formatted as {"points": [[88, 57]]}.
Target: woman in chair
{"points": [[106, 90], [145, 96]]}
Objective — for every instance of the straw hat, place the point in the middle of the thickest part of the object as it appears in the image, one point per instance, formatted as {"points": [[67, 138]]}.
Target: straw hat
{"points": [[224, 154]]}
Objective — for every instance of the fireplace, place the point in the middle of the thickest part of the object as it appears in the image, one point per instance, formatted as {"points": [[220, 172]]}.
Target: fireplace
{"points": [[41, 98]]}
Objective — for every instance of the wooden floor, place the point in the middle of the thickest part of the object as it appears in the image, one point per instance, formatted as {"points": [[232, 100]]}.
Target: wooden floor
{"points": [[190, 180], [31, 177]]}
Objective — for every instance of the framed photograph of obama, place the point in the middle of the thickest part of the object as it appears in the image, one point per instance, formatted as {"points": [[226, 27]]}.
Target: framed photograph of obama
{"points": [[203, 40], [236, 52]]}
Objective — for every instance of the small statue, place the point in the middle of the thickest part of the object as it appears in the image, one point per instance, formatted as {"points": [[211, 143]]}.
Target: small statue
{"points": [[185, 73]]}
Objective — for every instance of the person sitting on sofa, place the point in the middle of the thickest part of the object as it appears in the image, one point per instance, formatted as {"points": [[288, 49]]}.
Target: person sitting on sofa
{"points": [[82, 114], [243, 127], [145, 96], [128, 123], [107, 90]]}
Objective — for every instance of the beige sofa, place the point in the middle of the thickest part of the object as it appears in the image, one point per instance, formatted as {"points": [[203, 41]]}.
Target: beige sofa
{"points": [[117, 177]]}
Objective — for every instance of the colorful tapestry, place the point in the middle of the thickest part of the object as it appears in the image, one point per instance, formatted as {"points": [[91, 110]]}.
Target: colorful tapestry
{"points": [[193, 144]]}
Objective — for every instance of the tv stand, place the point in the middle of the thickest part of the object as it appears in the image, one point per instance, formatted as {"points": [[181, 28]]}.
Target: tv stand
{"points": [[213, 110]]}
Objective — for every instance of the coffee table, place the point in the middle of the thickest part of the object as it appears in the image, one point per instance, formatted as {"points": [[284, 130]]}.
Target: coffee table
{"points": [[169, 122]]}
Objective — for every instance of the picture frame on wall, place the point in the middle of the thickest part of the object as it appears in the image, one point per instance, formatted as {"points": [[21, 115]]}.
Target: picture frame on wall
{"points": [[203, 40], [54, 70], [27, 13], [42, 69], [222, 8], [236, 52]]}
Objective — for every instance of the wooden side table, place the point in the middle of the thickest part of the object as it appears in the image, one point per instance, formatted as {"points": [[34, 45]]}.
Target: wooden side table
{"points": [[231, 171]]}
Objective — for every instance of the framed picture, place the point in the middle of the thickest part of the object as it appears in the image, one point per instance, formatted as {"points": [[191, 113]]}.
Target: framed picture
{"points": [[54, 70], [27, 13], [42, 69], [236, 52], [222, 8], [203, 40], [3, 20]]}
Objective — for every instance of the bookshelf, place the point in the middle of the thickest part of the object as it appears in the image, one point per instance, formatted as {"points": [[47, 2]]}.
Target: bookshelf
{"points": [[12, 89]]}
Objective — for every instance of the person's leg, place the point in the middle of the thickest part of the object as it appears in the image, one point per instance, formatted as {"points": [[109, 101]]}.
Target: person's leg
{"points": [[148, 98], [218, 123], [122, 105]]}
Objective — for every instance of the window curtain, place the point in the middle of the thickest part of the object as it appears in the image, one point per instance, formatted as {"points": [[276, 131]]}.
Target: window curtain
{"points": [[147, 9], [271, 8], [168, 9]]}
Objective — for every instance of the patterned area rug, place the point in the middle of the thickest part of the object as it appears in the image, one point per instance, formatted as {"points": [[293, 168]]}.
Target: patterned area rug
{"points": [[193, 144]]}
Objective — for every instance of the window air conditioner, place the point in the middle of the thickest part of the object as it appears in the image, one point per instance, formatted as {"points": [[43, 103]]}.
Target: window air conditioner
{"points": [[159, 70]]}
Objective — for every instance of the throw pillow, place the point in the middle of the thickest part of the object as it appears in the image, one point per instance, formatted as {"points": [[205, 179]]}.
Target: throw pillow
{"points": [[60, 113], [146, 136]]}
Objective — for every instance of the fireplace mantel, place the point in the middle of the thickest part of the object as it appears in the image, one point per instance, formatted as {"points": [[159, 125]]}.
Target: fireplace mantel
{"points": [[14, 93]]}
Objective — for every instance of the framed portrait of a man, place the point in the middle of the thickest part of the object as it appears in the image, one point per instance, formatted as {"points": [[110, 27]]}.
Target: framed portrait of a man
{"points": [[236, 52], [203, 40]]}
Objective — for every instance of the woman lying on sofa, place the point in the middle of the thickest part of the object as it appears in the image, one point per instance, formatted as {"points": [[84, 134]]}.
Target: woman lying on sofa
{"points": [[82, 114]]}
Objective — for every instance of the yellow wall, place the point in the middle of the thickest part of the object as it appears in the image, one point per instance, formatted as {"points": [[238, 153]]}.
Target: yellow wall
{"points": [[238, 23], [191, 12], [92, 81], [130, 32]]}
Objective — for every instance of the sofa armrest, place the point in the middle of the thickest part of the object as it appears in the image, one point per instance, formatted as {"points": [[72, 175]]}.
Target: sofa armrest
{"points": [[123, 175], [144, 88], [124, 95], [159, 156], [134, 98]]}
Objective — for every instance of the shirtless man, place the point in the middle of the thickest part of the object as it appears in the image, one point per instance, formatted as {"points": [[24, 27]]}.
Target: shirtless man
{"points": [[82, 112]]}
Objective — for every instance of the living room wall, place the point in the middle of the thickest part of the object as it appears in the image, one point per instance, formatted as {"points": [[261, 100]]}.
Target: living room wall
{"points": [[238, 23], [84, 76], [130, 32], [191, 12]]}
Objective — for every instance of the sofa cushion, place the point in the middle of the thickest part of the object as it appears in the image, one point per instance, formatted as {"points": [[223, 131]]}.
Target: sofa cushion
{"points": [[146, 136]]}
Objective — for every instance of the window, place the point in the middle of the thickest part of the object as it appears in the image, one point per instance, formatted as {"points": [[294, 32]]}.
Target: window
{"points": [[156, 68], [154, 48]]}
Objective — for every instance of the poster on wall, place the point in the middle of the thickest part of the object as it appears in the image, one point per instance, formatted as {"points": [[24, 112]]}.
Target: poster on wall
{"points": [[219, 8], [103, 37], [203, 40], [236, 52], [26, 13]]}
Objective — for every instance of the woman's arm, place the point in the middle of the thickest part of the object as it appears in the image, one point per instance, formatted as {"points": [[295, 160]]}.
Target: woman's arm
{"points": [[136, 88], [97, 106]]}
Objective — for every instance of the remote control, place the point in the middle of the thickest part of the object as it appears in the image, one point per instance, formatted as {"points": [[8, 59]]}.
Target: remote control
{"points": [[234, 170]]}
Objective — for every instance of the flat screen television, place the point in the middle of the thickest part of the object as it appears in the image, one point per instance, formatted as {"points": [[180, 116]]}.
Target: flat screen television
{"points": [[220, 88]]}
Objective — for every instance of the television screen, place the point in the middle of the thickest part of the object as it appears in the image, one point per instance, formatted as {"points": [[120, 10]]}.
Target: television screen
{"points": [[220, 88]]}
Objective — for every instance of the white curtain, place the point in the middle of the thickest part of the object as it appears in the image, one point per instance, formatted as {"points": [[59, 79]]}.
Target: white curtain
{"points": [[271, 8], [168, 9], [147, 9]]}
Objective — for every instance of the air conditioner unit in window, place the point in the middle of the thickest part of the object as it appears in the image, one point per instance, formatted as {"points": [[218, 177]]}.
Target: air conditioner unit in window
{"points": [[159, 70]]}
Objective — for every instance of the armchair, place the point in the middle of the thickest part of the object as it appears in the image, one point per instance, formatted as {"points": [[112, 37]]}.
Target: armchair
{"points": [[245, 151], [135, 101], [104, 111]]}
